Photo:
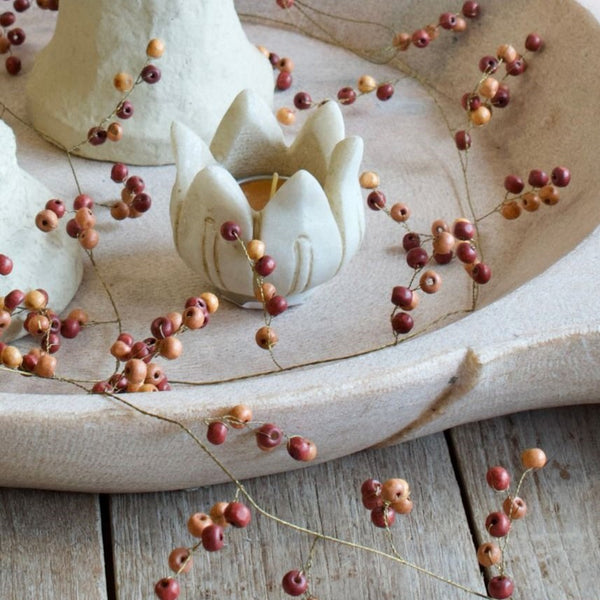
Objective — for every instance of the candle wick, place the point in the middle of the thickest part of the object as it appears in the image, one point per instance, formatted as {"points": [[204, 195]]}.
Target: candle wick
{"points": [[274, 184]]}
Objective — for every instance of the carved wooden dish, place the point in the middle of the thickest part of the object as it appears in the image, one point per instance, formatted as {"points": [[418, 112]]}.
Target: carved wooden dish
{"points": [[533, 342]]}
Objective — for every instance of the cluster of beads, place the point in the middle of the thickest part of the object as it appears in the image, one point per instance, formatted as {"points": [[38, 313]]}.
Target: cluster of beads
{"points": [[41, 322], [12, 36], [492, 91], [139, 372], [498, 523], [262, 266], [134, 200], [284, 67], [268, 435], [125, 83], [543, 189], [80, 227], [385, 500]]}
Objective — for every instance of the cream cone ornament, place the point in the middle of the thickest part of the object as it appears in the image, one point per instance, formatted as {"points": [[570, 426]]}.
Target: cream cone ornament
{"points": [[208, 60], [51, 261], [312, 225]]}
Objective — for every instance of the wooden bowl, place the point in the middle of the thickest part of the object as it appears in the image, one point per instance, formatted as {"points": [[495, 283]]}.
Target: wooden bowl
{"points": [[534, 340]]}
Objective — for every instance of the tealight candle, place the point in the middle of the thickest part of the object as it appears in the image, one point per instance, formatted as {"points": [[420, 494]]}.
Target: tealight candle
{"points": [[259, 190]]}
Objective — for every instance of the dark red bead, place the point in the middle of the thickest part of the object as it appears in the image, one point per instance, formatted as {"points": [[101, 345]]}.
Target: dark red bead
{"points": [[488, 64], [119, 172], [216, 433], [481, 273], [237, 514], [561, 176], [533, 42], [470, 101], [96, 136], [276, 305], [417, 258], [212, 538], [463, 230], [268, 436], [447, 20], [7, 19], [500, 587], [199, 302], [125, 110], [516, 67], [538, 178], [135, 184], [140, 350], [265, 265], [73, 228], [162, 328], [230, 231], [346, 95], [294, 583], [283, 81], [150, 74], [13, 65], [385, 91], [142, 202], [513, 184], [16, 36], [285, 3], [6, 265], [299, 448], [501, 98], [402, 322], [13, 299], [443, 259], [402, 296], [421, 38], [376, 200], [51, 343], [29, 362], [498, 478], [466, 252], [371, 501], [302, 101], [83, 201], [462, 140], [370, 487], [470, 9], [126, 338], [21, 5], [383, 516], [57, 207], [497, 524], [411, 240], [70, 328], [274, 59], [101, 387], [167, 589]]}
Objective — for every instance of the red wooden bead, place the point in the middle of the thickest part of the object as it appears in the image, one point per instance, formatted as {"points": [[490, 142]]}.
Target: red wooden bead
{"points": [[447, 20], [265, 265], [462, 140], [383, 516], [385, 91], [6, 265], [481, 273], [83, 201], [301, 449], [217, 433], [302, 101], [276, 305], [346, 95], [230, 231], [151, 74], [500, 587], [417, 258], [213, 538], [402, 322], [96, 136], [411, 240], [497, 524], [57, 207], [125, 110], [268, 436], [283, 81], [294, 583], [533, 42], [119, 172], [421, 38], [237, 514], [470, 9], [376, 200], [167, 589], [561, 176], [498, 478]]}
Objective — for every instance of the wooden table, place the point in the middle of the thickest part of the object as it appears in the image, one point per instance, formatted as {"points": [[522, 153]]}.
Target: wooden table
{"points": [[71, 546]]}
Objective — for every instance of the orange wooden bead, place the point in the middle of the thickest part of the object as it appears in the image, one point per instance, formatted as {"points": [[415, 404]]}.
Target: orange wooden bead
{"points": [[85, 218], [114, 132], [489, 87], [443, 242], [460, 25], [438, 226], [123, 82], [430, 282], [286, 64], [181, 560], [403, 506], [395, 489], [38, 325], [264, 51], [35, 300], [402, 41], [367, 84], [433, 31], [176, 319], [515, 508], [88, 239], [133, 387], [266, 337], [120, 350], [255, 249], [119, 211], [212, 301], [45, 366], [530, 201], [217, 513], [400, 212], [4, 44], [154, 373], [46, 220], [127, 196], [369, 180], [489, 554], [170, 348], [147, 387], [241, 415], [480, 116], [510, 210], [12, 357], [5, 320], [135, 370], [197, 523], [286, 116], [507, 53], [533, 458], [193, 317], [266, 292], [549, 195], [155, 48], [414, 302]]}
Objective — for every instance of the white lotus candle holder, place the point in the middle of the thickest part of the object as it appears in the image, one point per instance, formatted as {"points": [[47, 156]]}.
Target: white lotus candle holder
{"points": [[208, 60], [312, 225], [51, 261]]}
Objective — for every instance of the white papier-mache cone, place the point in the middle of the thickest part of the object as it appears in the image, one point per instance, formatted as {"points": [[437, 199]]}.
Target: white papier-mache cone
{"points": [[51, 261], [208, 60]]}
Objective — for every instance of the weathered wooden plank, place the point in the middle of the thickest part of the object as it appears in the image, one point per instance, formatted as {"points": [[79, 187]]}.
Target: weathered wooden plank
{"points": [[50, 546], [146, 527], [555, 550]]}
